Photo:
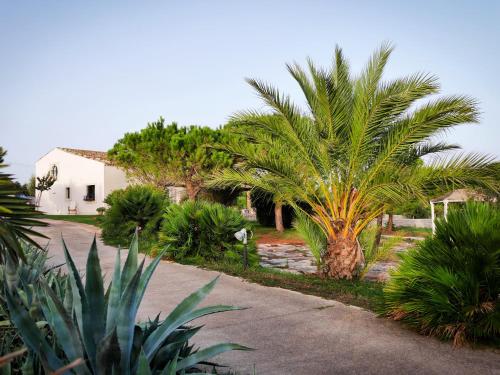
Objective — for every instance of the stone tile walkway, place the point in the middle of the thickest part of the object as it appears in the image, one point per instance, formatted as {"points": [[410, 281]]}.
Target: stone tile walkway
{"points": [[298, 259], [289, 257]]}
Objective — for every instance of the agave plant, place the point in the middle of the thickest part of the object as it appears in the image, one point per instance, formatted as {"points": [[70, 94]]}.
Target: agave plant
{"points": [[96, 330], [26, 276]]}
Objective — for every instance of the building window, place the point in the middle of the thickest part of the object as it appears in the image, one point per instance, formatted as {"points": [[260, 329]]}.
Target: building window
{"points": [[90, 193], [68, 193], [53, 171]]}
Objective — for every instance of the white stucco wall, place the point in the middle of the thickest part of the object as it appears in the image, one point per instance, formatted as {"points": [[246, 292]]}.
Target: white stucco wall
{"points": [[76, 172]]}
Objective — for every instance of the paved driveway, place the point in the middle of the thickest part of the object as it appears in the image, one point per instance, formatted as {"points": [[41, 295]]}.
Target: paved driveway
{"points": [[293, 333]]}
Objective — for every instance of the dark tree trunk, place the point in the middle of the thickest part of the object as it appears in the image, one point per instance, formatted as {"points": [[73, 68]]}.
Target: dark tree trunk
{"points": [[278, 217], [343, 257], [192, 190], [390, 223], [378, 236]]}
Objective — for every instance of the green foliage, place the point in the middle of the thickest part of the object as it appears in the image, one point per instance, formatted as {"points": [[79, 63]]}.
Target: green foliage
{"points": [[165, 155], [373, 254], [25, 277], [16, 217], [31, 186], [198, 229], [135, 206], [348, 154], [99, 325], [414, 209], [100, 210], [312, 234], [449, 285]]}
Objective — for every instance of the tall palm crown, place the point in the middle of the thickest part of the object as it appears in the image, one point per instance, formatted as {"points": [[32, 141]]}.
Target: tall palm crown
{"points": [[352, 151]]}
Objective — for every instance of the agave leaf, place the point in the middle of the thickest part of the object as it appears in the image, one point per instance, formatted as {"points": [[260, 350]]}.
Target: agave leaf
{"points": [[68, 297], [176, 342], [179, 316], [80, 307], [137, 343], [11, 275], [108, 354], [94, 291], [62, 324], [131, 263], [125, 321], [114, 295], [171, 367], [27, 366], [204, 354], [31, 335], [143, 366]]}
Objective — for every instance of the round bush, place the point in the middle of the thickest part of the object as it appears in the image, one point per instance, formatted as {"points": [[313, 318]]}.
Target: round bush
{"points": [[198, 229], [136, 206], [449, 286]]}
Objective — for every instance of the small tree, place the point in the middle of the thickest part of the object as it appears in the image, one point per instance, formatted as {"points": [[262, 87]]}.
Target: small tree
{"points": [[31, 186], [44, 184], [166, 155]]}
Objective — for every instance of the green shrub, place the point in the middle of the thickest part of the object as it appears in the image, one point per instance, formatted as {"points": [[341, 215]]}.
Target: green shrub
{"points": [[96, 330], [449, 286], [26, 276], [312, 234], [414, 209], [198, 229], [136, 206]]}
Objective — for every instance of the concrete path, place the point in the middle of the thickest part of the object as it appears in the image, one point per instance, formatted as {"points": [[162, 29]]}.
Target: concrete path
{"points": [[293, 333]]}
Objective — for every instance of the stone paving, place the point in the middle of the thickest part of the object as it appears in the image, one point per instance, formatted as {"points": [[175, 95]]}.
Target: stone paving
{"points": [[288, 257], [298, 259]]}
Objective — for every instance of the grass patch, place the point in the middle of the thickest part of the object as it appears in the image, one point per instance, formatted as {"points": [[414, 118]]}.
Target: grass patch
{"points": [[410, 232], [84, 219], [264, 234], [356, 292]]}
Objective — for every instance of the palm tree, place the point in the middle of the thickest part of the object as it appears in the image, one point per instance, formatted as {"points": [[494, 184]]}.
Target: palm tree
{"points": [[339, 160], [16, 218]]}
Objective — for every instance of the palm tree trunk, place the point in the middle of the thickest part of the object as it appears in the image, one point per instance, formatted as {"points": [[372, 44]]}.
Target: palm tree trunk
{"points": [[343, 256], [192, 190], [249, 200], [390, 222], [278, 217]]}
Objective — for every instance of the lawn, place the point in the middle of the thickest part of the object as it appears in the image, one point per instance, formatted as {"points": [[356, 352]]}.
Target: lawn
{"points": [[360, 293], [264, 234], [85, 219]]}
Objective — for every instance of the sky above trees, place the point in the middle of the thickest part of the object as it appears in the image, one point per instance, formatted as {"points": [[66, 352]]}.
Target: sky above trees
{"points": [[81, 74]]}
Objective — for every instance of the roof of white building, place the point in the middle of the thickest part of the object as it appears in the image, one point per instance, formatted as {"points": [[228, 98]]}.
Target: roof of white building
{"points": [[89, 154], [460, 195]]}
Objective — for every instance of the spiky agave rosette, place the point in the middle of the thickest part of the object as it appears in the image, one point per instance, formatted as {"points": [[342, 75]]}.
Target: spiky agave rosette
{"points": [[97, 329]]}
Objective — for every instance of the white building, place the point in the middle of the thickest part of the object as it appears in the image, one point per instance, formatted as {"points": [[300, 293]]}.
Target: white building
{"points": [[84, 179]]}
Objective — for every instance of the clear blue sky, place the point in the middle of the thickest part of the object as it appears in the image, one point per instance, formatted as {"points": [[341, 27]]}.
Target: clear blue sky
{"points": [[81, 73]]}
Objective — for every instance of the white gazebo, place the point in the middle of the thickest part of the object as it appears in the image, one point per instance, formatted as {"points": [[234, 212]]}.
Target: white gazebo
{"points": [[456, 196]]}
